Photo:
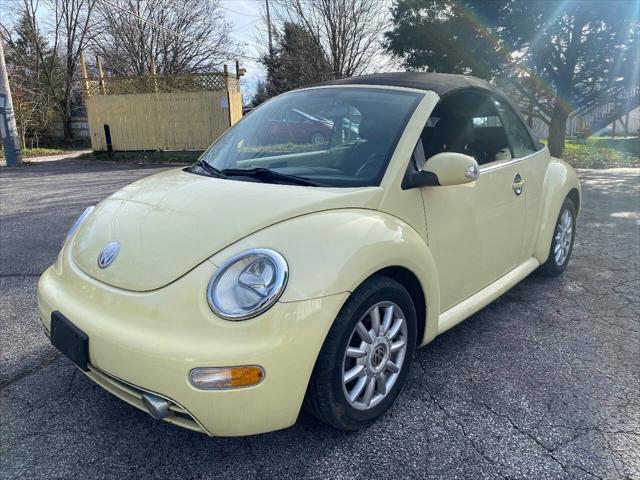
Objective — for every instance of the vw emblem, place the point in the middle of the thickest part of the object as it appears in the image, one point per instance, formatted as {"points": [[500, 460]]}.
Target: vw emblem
{"points": [[108, 254]]}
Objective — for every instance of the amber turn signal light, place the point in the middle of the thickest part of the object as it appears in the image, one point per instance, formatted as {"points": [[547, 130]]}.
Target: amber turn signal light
{"points": [[224, 378]]}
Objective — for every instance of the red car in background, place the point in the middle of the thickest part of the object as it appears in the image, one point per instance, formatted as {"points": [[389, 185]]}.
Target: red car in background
{"points": [[297, 126]]}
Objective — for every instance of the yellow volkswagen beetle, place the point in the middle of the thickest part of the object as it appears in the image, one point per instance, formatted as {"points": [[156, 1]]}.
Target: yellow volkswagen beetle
{"points": [[278, 272]]}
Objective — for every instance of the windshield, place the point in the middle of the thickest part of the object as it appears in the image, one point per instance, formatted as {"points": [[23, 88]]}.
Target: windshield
{"points": [[340, 137]]}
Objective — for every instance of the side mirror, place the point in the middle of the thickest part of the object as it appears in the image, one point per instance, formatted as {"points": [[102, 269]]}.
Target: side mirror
{"points": [[451, 168]]}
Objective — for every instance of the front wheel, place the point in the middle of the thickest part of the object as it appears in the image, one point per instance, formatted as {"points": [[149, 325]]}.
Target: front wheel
{"points": [[366, 356], [318, 139], [562, 242]]}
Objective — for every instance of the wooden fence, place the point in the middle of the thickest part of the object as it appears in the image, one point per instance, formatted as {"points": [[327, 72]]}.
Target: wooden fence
{"points": [[160, 112]]}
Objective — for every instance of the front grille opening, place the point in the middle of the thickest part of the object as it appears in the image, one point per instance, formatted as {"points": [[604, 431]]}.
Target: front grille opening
{"points": [[133, 396]]}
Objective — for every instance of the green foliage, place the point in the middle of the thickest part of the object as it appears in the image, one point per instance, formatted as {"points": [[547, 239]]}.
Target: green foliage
{"points": [[603, 152], [261, 94], [440, 36], [560, 55], [297, 61], [281, 149], [34, 107], [627, 145], [577, 47], [182, 156], [592, 156], [36, 152]]}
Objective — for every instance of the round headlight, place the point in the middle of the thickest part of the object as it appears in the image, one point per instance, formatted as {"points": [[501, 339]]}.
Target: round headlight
{"points": [[247, 284]]}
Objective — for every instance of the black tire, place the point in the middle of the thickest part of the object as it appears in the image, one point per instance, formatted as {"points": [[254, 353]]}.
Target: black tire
{"points": [[318, 138], [552, 268], [325, 398]]}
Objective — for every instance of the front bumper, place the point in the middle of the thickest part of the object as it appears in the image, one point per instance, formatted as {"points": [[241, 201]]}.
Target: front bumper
{"points": [[149, 342]]}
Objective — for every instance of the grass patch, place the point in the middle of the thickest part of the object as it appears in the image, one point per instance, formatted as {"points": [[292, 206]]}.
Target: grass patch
{"points": [[602, 152], [627, 145], [181, 156], [287, 148], [593, 155], [38, 152]]}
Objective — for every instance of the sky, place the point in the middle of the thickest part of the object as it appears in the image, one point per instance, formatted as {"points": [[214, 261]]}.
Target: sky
{"points": [[249, 29]]}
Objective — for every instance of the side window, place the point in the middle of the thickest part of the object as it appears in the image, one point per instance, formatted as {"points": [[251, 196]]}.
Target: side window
{"points": [[519, 138], [466, 122], [487, 121], [490, 139]]}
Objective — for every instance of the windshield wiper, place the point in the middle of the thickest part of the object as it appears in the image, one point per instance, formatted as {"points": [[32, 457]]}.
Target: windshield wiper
{"points": [[212, 171], [266, 174]]}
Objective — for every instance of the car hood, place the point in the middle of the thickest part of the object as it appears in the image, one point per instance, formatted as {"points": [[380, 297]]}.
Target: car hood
{"points": [[169, 223]]}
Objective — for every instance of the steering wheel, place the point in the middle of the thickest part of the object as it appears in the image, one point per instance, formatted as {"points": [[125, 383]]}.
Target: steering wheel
{"points": [[371, 161]]}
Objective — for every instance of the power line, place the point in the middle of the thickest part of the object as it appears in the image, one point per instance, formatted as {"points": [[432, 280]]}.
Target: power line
{"points": [[244, 14], [245, 25], [233, 31]]}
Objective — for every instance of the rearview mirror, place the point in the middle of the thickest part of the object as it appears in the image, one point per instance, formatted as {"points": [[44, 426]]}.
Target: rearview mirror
{"points": [[451, 168]]}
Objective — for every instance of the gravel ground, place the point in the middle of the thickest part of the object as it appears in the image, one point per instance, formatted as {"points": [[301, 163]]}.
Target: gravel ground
{"points": [[542, 383]]}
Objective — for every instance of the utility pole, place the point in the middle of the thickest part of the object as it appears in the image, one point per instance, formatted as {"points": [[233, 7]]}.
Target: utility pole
{"points": [[269, 31], [8, 129]]}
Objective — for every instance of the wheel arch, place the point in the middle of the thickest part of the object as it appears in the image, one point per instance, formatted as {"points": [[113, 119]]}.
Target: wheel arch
{"points": [[335, 251], [560, 182], [410, 281], [574, 196]]}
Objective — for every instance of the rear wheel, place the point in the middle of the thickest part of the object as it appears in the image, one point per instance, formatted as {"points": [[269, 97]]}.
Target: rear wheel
{"points": [[562, 242], [365, 358]]}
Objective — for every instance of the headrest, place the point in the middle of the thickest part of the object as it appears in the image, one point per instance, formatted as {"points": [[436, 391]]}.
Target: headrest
{"points": [[371, 129], [455, 130], [491, 138]]}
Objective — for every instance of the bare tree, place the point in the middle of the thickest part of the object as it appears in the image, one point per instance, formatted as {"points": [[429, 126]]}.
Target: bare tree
{"points": [[68, 35], [349, 31], [34, 107], [179, 36]]}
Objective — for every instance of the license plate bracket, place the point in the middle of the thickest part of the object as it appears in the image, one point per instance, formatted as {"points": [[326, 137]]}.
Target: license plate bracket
{"points": [[70, 340]]}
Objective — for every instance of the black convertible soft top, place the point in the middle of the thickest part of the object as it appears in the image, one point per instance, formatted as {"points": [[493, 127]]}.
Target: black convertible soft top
{"points": [[441, 83]]}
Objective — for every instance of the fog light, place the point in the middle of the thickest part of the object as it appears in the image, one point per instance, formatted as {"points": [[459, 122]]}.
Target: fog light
{"points": [[223, 378]]}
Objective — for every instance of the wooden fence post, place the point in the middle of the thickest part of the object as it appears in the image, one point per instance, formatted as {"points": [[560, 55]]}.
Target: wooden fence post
{"points": [[153, 74], [226, 88], [101, 74], [83, 70]]}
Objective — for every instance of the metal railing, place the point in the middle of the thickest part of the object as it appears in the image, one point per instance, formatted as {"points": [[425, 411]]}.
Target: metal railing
{"points": [[604, 109]]}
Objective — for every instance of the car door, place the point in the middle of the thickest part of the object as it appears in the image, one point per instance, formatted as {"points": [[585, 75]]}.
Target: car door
{"points": [[533, 159], [475, 231]]}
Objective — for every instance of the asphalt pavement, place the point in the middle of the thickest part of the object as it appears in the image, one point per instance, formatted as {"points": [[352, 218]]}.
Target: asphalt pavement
{"points": [[543, 383]]}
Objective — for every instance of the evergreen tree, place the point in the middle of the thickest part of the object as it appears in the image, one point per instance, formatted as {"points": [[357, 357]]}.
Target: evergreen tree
{"points": [[561, 54], [297, 61], [440, 36], [34, 107]]}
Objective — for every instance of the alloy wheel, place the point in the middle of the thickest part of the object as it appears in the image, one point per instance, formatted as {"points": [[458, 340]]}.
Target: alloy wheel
{"points": [[564, 236], [374, 355]]}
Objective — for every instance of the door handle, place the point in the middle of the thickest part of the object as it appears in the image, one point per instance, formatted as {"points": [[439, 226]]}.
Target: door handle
{"points": [[518, 184]]}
